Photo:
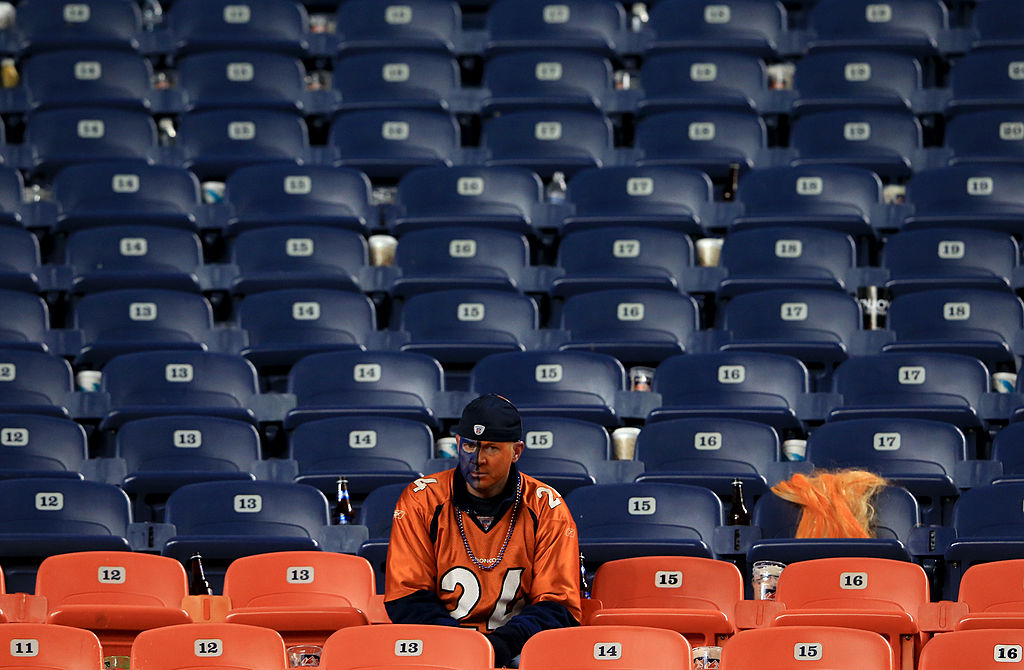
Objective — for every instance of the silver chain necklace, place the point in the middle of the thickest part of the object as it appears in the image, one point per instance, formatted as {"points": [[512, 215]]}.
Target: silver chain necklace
{"points": [[491, 563]]}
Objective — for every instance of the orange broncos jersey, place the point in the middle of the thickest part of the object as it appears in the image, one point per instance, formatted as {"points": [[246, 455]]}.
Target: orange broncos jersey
{"points": [[541, 561]]}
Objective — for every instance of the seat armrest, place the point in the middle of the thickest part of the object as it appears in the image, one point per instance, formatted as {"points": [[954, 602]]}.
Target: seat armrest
{"points": [[343, 539], [757, 613], [942, 616], [150, 535]]}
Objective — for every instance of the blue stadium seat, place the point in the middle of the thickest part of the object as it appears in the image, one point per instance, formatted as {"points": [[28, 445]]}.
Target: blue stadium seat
{"points": [[44, 25], [986, 79], [163, 453], [622, 257], [486, 197], [40, 517], [633, 325], [857, 78], [227, 520], [706, 139], [57, 138], [997, 24], [1007, 452], [976, 196], [718, 79], [161, 383], [227, 79], [592, 25], [452, 257], [415, 24], [888, 142], [395, 78], [839, 197], [922, 456], [297, 255], [265, 25], [101, 194], [820, 327], [751, 385], [912, 26], [542, 77], [34, 382], [345, 383], [112, 257], [12, 195], [386, 144], [923, 385], [370, 451], [278, 194], [377, 513], [979, 323], [287, 324], [709, 452], [989, 136], [988, 525], [676, 198], [80, 77], [896, 515], [574, 384], [213, 144], [741, 25], [644, 519], [786, 257], [563, 453], [461, 326], [24, 322], [950, 257], [129, 320], [19, 260], [41, 446], [547, 141]]}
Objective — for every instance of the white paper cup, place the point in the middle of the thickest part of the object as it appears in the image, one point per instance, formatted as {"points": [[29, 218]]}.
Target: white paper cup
{"points": [[382, 249], [707, 658], [1004, 382], [624, 442], [88, 380], [304, 655], [446, 447], [765, 578], [709, 250], [794, 450], [213, 192]]}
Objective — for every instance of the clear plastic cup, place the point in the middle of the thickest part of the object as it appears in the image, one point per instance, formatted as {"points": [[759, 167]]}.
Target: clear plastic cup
{"points": [[641, 378], [709, 250], [624, 442], [766, 579], [382, 249], [304, 655], [707, 658]]}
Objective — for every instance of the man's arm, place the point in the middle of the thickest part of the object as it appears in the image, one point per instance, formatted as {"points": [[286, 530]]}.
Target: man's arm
{"points": [[554, 600], [410, 575], [419, 607]]}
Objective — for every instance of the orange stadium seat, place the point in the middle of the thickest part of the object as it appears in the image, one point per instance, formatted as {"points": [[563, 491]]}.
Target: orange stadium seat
{"points": [[692, 596], [303, 595], [115, 594]]}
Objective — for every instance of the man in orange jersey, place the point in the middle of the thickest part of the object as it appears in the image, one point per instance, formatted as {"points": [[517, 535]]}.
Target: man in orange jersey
{"points": [[483, 545]]}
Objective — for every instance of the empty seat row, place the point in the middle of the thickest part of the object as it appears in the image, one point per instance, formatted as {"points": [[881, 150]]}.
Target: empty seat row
{"points": [[914, 25], [387, 144], [556, 79]]}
